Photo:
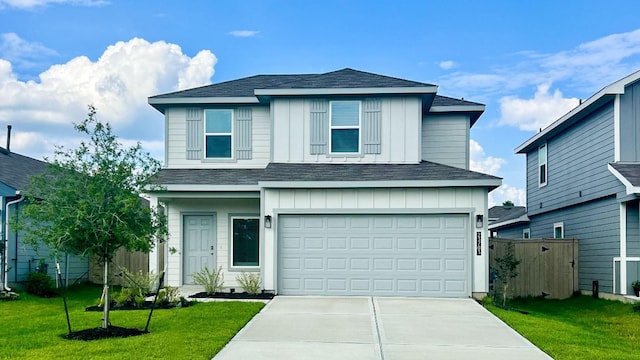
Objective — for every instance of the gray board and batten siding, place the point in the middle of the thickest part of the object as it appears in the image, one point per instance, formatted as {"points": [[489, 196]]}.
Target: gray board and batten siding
{"points": [[577, 161], [630, 123]]}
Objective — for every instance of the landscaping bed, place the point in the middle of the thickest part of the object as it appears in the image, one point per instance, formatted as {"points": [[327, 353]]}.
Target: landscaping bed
{"points": [[233, 296]]}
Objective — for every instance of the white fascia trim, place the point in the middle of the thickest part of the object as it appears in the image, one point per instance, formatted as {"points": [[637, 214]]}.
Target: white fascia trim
{"points": [[523, 218], [181, 187], [208, 195], [616, 128], [456, 108], [379, 184], [348, 91], [204, 100], [628, 185]]}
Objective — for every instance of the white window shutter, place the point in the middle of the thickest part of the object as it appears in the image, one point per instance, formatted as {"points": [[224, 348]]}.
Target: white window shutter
{"points": [[371, 126], [195, 134], [319, 126]]}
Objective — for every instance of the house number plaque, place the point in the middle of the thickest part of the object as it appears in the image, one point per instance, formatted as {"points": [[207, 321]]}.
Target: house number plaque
{"points": [[478, 243]]}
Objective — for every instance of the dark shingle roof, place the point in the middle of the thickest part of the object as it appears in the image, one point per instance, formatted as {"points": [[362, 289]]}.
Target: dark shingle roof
{"points": [[210, 176], [504, 213], [631, 172], [345, 78], [423, 171], [440, 100], [15, 169]]}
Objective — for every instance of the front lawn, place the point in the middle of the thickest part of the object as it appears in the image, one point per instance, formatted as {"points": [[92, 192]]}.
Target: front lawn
{"points": [[32, 328], [577, 328]]}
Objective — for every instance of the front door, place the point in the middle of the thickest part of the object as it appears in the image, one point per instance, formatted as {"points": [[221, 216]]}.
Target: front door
{"points": [[199, 245]]}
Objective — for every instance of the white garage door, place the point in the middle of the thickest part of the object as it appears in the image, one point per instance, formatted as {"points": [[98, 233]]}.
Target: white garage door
{"points": [[382, 255]]}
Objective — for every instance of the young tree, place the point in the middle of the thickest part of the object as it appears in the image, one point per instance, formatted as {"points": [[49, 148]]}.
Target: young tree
{"points": [[88, 203], [506, 269]]}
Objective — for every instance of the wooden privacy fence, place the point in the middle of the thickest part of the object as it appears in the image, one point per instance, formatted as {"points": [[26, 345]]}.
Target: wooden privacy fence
{"points": [[133, 261], [548, 267]]}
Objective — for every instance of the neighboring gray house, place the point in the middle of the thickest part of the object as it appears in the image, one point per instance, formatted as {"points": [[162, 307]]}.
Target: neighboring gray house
{"points": [[509, 222], [582, 182], [341, 183], [15, 170]]}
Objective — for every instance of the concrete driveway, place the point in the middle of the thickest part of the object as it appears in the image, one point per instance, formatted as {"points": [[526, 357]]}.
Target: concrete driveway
{"points": [[337, 328]]}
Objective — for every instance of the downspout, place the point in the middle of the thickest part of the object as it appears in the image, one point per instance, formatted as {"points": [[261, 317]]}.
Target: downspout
{"points": [[5, 286]]}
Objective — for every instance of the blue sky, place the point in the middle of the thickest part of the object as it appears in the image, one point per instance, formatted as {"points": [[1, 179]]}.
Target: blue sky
{"points": [[529, 62]]}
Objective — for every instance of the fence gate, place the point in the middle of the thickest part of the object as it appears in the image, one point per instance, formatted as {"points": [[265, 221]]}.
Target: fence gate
{"points": [[548, 267]]}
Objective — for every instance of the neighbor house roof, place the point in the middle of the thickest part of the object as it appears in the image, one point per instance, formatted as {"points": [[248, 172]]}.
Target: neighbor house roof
{"points": [[603, 96], [306, 175], [500, 216], [15, 169], [629, 174]]}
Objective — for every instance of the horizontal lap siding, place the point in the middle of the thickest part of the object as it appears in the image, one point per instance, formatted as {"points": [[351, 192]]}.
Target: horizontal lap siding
{"points": [[577, 165], [512, 232], [445, 139], [595, 225]]}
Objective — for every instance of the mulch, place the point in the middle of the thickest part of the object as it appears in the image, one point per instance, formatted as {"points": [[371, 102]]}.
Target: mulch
{"points": [[235, 296], [102, 333]]}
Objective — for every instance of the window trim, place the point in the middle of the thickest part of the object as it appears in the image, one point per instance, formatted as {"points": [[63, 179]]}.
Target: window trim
{"points": [[558, 225], [231, 134], [232, 267], [545, 164], [527, 232], [342, 127]]}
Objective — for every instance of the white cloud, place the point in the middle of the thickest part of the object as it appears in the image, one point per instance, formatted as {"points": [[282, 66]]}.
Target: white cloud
{"points": [[31, 4], [480, 162], [244, 33], [506, 192], [21, 52], [447, 64], [118, 84], [536, 113]]}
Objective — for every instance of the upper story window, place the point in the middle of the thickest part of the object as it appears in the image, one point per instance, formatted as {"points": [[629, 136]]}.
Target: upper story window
{"points": [[345, 126], [218, 133], [542, 165]]}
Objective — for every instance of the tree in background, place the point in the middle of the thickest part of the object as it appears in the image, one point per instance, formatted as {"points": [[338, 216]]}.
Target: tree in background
{"points": [[87, 203], [508, 203]]}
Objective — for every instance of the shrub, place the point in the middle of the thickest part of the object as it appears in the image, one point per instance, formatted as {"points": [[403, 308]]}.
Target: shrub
{"points": [[40, 284], [168, 295], [143, 283], [128, 297], [250, 282], [211, 280]]}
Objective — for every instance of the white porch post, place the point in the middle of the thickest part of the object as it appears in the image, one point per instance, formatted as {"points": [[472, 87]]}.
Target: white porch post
{"points": [[623, 248], [153, 255]]}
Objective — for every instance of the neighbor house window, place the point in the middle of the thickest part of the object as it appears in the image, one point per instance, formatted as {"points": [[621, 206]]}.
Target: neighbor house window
{"points": [[526, 233], [245, 242], [542, 165], [218, 133], [345, 126], [558, 230]]}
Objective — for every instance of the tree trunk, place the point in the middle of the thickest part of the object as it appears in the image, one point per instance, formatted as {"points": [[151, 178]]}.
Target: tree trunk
{"points": [[105, 292], [504, 295]]}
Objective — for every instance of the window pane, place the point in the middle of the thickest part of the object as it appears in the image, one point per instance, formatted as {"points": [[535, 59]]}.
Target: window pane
{"points": [[219, 146], [543, 174], [345, 113], [542, 155], [246, 246], [218, 121], [557, 232], [344, 140]]}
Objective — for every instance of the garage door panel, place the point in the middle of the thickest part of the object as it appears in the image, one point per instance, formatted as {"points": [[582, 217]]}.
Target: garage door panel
{"points": [[406, 255]]}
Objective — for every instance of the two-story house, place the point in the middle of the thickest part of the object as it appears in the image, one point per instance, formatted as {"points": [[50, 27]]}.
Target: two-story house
{"points": [[341, 183], [582, 182]]}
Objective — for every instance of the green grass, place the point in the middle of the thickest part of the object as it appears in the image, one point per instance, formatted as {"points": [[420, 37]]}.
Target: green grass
{"points": [[32, 328], [577, 328]]}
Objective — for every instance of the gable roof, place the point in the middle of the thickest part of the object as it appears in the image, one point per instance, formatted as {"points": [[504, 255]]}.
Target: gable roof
{"points": [[15, 169], [501, 216], [320, 175], [603, 96]]}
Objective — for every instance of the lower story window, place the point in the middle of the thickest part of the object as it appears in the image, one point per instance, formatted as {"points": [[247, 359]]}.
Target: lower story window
{"points": [[558, 230], [245, 243]]}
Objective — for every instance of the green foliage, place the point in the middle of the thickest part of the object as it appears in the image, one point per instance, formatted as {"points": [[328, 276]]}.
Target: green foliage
{"points": [[40, 284], [168, 295], [128, 296], [506, 269], [211, 280], [636, 284], [507, 203], [87, 202], [250, 282], [144, 283]]}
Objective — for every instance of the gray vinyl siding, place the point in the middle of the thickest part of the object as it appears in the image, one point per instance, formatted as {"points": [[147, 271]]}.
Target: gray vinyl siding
{"points": [[511, 232], [630, 123], [445, 139], [596, 226], [577, 162], [633, 229]]}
